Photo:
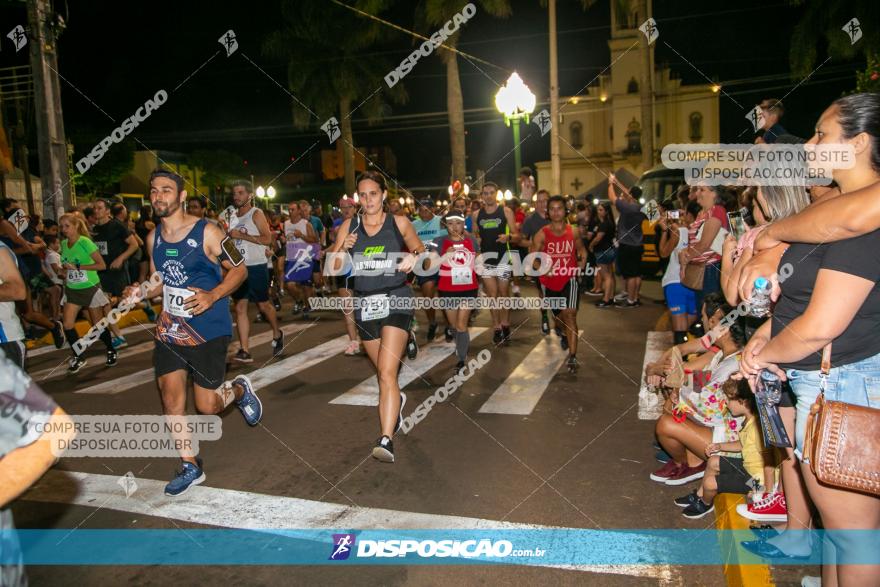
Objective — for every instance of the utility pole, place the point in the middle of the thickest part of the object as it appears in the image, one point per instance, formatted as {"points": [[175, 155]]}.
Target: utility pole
{"points": [[44, 26], [646, 89], [555, 165]]}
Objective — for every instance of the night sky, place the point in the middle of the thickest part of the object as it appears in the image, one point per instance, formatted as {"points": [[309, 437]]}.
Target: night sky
{"points": [[118, 54]]}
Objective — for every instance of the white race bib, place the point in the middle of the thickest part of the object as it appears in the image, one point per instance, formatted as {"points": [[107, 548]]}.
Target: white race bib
{"points": [[462, 276], [173, 299], [375, 307], [102, 247], [76, 276]]}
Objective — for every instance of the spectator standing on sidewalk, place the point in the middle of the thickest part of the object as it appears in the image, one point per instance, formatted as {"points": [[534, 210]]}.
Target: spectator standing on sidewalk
{"points": [[629, 239]]}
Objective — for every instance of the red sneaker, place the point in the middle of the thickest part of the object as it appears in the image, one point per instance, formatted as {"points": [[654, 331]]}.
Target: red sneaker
{"points": [[666, 471], [770, 509], [687, 474]]}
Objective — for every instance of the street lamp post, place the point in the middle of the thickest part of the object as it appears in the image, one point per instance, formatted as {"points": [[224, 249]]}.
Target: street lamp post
{"points": [[515, 101]]}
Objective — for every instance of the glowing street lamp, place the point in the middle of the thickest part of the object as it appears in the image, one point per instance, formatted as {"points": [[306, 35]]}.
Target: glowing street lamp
{"points": [[508, 195], [515, 101], [261, 191], [270, 193]]}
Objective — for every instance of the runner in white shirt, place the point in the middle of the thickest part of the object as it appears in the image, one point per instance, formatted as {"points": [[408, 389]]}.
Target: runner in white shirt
{"points": [[250, 229], [301, 244]]}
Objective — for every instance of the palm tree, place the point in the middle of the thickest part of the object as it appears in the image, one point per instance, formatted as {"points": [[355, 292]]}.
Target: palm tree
{"points": [[431, 14], [824, 20], [322, 44]]}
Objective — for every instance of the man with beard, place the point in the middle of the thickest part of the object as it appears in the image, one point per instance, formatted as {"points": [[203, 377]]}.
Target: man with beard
{"points": [[194, 328], [250, 229]]}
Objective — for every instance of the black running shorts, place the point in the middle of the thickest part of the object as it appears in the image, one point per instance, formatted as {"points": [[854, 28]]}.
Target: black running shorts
{"points": [[372, 329], [206, 362]]}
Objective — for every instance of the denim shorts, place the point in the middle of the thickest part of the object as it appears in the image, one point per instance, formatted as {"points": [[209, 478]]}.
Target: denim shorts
{"points": [[857, 384], [606, 257]]}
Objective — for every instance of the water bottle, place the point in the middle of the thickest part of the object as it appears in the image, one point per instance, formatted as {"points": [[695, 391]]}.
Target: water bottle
{"points": [[759, 307], [769, 388]]}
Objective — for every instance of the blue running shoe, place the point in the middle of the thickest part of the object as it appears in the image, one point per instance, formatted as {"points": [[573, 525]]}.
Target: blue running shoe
{"points": [[250, 405], [119, 342], [188, 476], [151, 314]]}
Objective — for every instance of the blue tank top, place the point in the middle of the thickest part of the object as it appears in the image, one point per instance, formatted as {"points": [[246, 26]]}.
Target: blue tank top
{"points": [[184, 264]]}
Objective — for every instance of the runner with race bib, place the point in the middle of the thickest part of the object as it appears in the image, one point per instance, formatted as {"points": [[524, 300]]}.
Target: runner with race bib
{"points": [[81, 260], [375, 243], [458, 251], [195, 327], [567, 255], [301, 250]]}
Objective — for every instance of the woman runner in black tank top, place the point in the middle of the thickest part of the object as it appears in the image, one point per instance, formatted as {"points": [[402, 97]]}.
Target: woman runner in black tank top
{"points": [[377, 242]]}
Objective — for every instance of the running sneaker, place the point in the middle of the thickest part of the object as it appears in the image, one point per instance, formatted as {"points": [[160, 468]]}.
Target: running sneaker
{"points": [[242, 357], [295, 310], [627, 304], [57, 334], [770, 509], [604, 304], [458, 367], [77, 362], [448, 334], [119, 342], [545, 324], [249, 404], [620, 297], [593, 293], [414, 325], [687, 474], [188, 476], [400, 412], [384, 450], [563, 342], [432, 331], [686, 500], [112, 357], [412, 347], [150, 312], [498, 336], [505, 330], [278, 345], [277, 304], [572, 364], [260, 317], [665, 472], [353, 348], [698, 509]]}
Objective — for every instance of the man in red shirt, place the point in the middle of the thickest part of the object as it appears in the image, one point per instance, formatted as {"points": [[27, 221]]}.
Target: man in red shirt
{"points": [[566, 255]]}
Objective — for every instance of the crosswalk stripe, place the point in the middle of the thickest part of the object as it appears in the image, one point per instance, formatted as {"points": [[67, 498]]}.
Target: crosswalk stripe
{"points": [[143, 347], [521, 391], [366, 393], [148, 327], [127, 382], [278, 370], [650, 404], [211, 506]]}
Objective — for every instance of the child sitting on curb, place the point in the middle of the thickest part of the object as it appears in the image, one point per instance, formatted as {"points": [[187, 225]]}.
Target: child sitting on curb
{"points": [[753, 471]]}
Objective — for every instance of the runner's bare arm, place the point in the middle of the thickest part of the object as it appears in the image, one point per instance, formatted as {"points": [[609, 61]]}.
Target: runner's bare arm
{"points": [[310, 236], [22, 467], [537, 242], [132, 243], [132, 292], [234, 277], [413, 243], [7, 230], [265, 237], [513, 237], [840, 218], [12, 286], [475, 226], [341, 235]]}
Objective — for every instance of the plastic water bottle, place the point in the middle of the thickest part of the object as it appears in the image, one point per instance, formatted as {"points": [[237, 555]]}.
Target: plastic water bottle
{"points": [[759, 307], [769, 388]]}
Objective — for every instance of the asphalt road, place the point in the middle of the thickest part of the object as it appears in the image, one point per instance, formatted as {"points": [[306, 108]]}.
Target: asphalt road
{"points": [[578, 458]]}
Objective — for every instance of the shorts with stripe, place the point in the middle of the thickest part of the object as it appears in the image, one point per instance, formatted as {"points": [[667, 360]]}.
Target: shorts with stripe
{"points": [[568, 295]]}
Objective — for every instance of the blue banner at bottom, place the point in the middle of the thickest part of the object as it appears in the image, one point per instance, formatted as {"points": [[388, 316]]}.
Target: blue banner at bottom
{"points": [[544, 547]]}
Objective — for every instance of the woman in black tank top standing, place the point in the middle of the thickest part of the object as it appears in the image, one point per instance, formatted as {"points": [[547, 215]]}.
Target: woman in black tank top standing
{"points": [[376, 242]]}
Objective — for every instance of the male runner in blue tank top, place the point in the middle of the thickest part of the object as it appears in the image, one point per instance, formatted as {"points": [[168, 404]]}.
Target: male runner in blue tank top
{"points": [[195, 326]]}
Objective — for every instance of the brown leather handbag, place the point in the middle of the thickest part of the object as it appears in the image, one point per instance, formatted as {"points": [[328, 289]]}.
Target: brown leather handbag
{"points": [[842, 440]]}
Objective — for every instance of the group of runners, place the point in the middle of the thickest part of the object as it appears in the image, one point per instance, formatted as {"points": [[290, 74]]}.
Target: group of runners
{"points": [[205, 270]]}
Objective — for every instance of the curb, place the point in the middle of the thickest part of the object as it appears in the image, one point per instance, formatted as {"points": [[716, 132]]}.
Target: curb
{"points": [[741, 568]]}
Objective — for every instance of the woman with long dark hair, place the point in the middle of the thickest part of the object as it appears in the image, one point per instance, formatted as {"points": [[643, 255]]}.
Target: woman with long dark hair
{"points": [[602, 246]]}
